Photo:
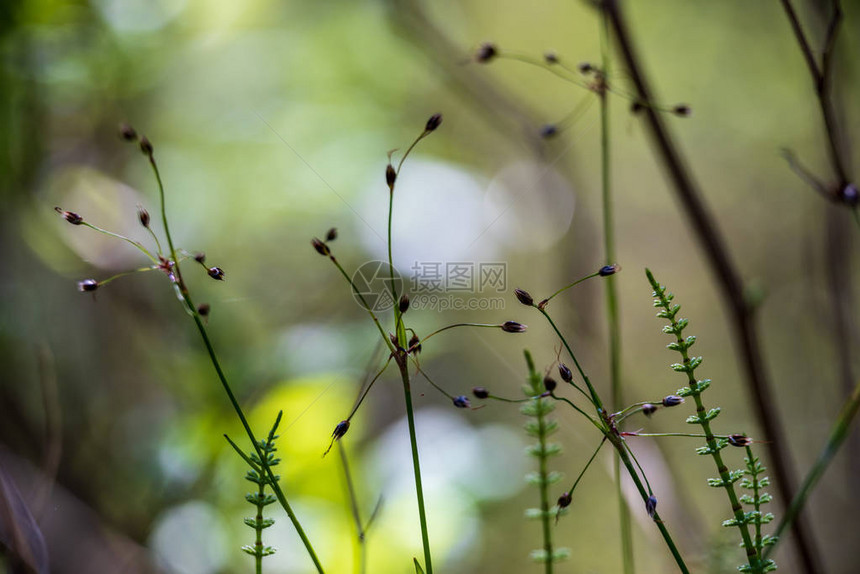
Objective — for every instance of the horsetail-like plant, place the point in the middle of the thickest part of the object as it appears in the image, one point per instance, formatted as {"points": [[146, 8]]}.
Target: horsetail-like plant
{"points": [[260, 499], [538, 408], [713, 445]]}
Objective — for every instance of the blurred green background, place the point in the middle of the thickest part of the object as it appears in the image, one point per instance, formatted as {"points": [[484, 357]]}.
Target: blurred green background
{"points": [[271, 121]]}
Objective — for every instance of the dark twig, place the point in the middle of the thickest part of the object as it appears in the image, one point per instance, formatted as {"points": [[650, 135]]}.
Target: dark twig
{"points": [[741, 314]]}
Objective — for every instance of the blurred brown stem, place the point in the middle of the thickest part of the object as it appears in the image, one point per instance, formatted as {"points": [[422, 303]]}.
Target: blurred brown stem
{"points": [[731, 286]]}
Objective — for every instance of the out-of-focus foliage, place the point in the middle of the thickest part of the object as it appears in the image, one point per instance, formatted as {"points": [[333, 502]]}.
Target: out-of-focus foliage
{"points": [[271, 122]]}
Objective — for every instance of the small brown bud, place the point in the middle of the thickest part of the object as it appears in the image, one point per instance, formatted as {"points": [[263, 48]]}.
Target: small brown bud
{"points": [[143, 216], [200, 257], [651, 505], [649, 409], [480, 393], [321, 247], [549, 384], [216, 273], [672, 401], [739, 440], [548, 131], [88, 285], [434, 122], [390, 176], [682, 110], [636, 107], [70, 216], [550, 58], [462, 402], [513, 327], [849, 195], [127, 133], [415, 344], [146, 146], [486, 52], [565, 373], [608, 270], [564, 500], [340, 430], [331, 235], [586, 68], [203, 309], [403, 305], [524, 297]]}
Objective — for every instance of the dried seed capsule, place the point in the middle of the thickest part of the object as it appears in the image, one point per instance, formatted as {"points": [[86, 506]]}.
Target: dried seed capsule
{"points": [[321, 247], [651, 505], [143, 216], [649, 409], [480, 393], [548, 131], [636, 107], [415, 344], [203, 309], [127, 132], [70, 216], [340, 430], [524, 297], [486, 52], [462, 402], [550, 58], [739, 440], [549, 384], [565, 373], [586, 68], [564, 500], [88, 285], [390, 175], [404, 303], [146, 146], [672, 401], [682, 110], [331, 235], [434, 122], [849, 194], [513, 327], [608, 270], [200, 257], [216, 273]]}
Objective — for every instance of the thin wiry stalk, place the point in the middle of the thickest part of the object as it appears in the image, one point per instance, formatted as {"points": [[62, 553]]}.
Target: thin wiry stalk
{"points": [[361, 541], [192, 310]]}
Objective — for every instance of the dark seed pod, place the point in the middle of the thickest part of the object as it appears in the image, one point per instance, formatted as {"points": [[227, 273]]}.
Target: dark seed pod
{"points": [[203, 309], [390, 175], [340, 430], [586, 68], [550, 58], [739, 440], [462, 402], [403, 305], [649, 409], [88, 285], [565, 373], [524, 297], [849, 195], [146, 146], [480, 393], [651, 505], [608, 270], [682, 110], [143, 216], [216, 273], [564, 500], [434, 122], [127, 133], [321, 247], [200, 257], [486, 52], [331, 235], [415, 344], [70, 216], [672, 401], [548, 131], [513, 327], [549, 384], [636, 107]]}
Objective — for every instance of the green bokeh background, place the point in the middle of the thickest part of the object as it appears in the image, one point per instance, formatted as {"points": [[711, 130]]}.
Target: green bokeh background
{"points": [[271, 121]]}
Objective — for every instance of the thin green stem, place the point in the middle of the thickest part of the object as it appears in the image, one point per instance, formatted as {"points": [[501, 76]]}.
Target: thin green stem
{"points": [[367, 388], [361, 562], [258, 543], [416, 465], [594, 398], [544, 489], [756, 487], [137, 244], [566, 287], [587, 464], [192, 309], [363, 302], [579, 410], [838, 433], [437, 331]]}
